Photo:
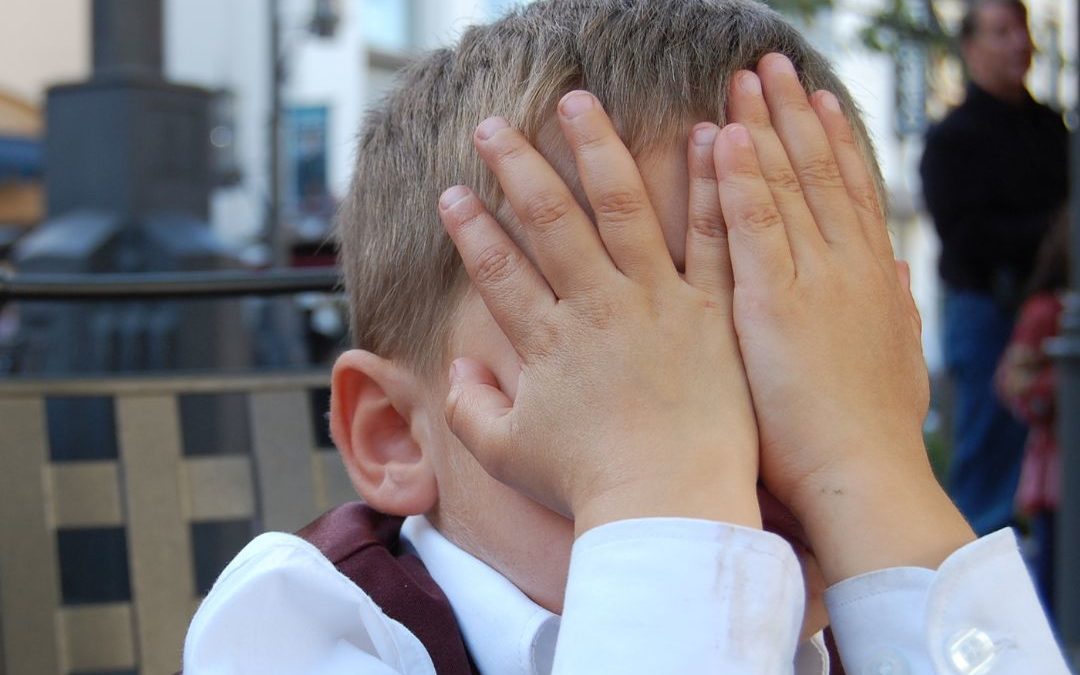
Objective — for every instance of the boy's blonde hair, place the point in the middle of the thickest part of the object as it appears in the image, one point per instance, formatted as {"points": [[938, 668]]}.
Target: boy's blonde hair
{"points": [[656, 65]]}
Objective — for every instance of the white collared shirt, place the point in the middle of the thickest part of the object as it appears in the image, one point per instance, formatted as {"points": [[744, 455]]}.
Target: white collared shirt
{"points": [[656, 595]]}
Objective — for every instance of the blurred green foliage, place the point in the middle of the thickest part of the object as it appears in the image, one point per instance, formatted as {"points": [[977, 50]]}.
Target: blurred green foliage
{"points": [[803, 9], [897, 24]]}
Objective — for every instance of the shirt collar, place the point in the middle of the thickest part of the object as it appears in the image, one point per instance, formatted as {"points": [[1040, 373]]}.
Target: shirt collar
{"points": [[504, 630], [985, 98]]}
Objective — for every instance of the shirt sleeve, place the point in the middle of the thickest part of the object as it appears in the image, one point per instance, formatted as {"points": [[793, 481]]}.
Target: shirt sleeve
{"points": [[281, 607], [667, 595], [978, 614]]}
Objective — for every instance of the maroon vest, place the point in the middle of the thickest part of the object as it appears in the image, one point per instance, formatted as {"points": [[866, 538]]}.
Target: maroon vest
{"points": [[365, 546]]}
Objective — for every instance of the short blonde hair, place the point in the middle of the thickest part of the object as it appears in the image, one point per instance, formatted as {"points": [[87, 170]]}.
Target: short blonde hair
{"points": [[654, 64]]}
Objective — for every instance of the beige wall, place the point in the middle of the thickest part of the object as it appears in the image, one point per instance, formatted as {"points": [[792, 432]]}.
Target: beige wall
{"points": [[43, 42]]}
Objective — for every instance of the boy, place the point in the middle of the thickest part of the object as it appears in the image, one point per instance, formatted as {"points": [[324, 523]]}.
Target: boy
{"points": [[616, 390]]}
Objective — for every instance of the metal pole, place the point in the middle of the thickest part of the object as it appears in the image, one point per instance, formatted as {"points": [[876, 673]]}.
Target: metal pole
{"points": [[1067, 350], [274, 235]]}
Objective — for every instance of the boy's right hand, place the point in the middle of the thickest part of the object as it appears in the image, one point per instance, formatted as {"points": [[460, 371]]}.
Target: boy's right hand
{"points": [[631, 399]]}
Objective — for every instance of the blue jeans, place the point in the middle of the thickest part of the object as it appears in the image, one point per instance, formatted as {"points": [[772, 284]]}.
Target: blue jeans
{"points": [[1041, 561], [988, 442]]}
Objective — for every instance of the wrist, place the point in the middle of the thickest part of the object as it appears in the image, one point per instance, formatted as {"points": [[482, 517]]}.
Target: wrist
{"points": [[880, 517], [717, 500]]}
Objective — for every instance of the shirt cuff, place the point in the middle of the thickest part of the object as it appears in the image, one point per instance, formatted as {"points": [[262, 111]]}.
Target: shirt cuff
{"points": [[680, 596], [978, 613]]}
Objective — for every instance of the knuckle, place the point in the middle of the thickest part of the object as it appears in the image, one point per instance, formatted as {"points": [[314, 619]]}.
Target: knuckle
{"points": [[703, 167], [741, 171], [590, 140], [784, 180], [820, 171], [798, 103], [756, 116], [618, 204], [600, 313], [865, 198], [508, 151], [545, 340], [707, 226], [759, 218], [545, 210], [494, 265], [844, 136]]}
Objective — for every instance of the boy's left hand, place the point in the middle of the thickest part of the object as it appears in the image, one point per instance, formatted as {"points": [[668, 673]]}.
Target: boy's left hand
{"points": [[830, 334], [631, 399]]}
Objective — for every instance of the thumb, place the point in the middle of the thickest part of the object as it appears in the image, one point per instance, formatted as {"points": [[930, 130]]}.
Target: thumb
{"points": [[478, 411]]}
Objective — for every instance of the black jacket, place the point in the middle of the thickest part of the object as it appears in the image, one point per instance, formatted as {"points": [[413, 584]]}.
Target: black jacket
{"points": [[994, 178]]}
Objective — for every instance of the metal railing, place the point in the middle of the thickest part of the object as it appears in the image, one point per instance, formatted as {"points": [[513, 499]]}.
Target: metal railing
{"points": [[179, 285], [151, 490], [154, 493]]}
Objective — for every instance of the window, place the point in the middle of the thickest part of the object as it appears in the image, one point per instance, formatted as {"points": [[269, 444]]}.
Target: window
{"points": [[387, 24]]}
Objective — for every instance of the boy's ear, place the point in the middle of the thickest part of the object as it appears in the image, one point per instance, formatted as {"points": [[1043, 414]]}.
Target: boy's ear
{"points": [[372, 406]]}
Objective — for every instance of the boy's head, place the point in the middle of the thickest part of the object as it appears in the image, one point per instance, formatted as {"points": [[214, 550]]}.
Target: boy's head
{"points": [[659, 67]]}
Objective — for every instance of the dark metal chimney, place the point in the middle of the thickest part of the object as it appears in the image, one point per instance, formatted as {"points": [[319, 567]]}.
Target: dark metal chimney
{"points": [[127, 142], [127, 38]]}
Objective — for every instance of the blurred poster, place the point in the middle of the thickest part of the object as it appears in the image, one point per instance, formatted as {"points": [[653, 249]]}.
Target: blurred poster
{"points": [[308, 193]]}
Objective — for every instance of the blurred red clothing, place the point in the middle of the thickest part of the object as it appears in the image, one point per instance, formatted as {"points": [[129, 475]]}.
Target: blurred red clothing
{"points": [[1026, 382]]}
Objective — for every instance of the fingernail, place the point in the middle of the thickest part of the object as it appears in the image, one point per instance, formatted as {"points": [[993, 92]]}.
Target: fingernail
{"points": [[750, 83], [576, 103], [737, 134], [705, 135], [452, 196], [490, 127], [455, 373], [830, 102]]}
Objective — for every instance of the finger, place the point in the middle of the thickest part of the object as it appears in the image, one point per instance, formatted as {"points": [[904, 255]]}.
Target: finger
{"points": [[746, 105], [852, 161], [478, 412], [624, 215], [760, 253], [811, 156], [562, 240], [903, 274], [514, 292], [708, 263]]}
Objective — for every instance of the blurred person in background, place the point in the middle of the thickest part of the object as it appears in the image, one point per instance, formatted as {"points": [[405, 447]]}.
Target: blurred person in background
{"points": [[1027, 382], [994, 178]]}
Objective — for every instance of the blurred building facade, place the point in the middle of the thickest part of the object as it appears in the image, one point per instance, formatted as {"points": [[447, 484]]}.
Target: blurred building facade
{"points": [[40, 43], [338, 56]]}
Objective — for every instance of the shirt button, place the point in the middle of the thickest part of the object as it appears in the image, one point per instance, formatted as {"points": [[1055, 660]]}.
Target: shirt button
{"points": [[971, 652], [888, 663]]}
